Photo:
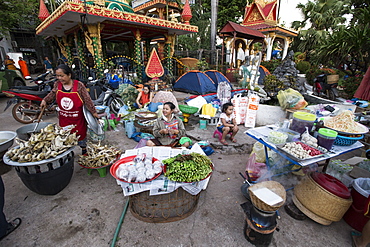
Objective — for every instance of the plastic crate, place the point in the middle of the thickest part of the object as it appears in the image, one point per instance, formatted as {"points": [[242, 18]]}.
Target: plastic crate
{"points": [[214, 120]]}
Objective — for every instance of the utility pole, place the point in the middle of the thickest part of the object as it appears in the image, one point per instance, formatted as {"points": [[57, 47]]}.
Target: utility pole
{"points": [[214, 9]]}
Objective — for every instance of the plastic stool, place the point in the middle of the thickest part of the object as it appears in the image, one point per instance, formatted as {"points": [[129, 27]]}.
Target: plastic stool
{"points": [[102, 171], [217, 132]]}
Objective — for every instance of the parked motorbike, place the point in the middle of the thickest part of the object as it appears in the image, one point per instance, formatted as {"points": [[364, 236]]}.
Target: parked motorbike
{"points": [[27, 101], [102, 93], [321, 87]]}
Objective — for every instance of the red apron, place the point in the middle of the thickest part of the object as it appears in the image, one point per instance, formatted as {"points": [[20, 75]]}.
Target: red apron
{"points": [[71, 112]]}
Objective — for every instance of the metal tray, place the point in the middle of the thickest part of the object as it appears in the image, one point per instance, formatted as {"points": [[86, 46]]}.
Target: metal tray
{"points": [[92, 122], [280, 148]]}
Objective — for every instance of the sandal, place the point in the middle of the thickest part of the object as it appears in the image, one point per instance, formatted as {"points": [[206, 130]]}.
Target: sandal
{"points": [[224, 142], [233, 140], [354, 235], [14, 224]]}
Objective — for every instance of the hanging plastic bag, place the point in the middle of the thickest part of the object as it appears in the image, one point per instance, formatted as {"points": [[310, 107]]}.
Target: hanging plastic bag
{"points": [[253, 168], [291, 99], [259, 150]]}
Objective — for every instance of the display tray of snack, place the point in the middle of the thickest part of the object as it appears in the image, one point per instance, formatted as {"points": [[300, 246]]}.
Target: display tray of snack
{"points": [[300, 151]]}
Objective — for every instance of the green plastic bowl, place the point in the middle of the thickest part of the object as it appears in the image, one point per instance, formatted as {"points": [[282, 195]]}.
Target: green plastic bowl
{"points": [[188, 109]]}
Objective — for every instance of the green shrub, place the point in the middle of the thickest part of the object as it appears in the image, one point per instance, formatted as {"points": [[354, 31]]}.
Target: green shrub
{"points": [[303, 66], [271, 64], [272, 85], [350, 84]]}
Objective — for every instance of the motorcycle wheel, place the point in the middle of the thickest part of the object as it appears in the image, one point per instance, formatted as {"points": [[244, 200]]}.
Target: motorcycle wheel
{"points": [[331, 95], [23, 117], [116, 104]]}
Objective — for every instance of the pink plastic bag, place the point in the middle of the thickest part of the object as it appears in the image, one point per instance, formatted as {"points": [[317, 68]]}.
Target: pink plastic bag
{"points": [[253, 168]]}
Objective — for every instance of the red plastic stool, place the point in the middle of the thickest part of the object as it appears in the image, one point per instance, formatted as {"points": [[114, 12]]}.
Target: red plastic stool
{"points": [[217, 132]]}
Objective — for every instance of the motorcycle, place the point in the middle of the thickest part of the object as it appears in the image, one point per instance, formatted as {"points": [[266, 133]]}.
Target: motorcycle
{"points": [[321, 87], [27, 100], [103, 94]]}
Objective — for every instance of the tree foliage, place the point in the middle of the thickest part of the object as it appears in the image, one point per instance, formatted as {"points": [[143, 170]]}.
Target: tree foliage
{"points": [[330, 40], [18, 14]]}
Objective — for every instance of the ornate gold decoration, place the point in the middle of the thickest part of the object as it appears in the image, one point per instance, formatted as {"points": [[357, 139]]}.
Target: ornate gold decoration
{"points": [[255, 16], [89, 42], [138, 35], [171, 39], [100, 2], [61, 46], [263, 3]]}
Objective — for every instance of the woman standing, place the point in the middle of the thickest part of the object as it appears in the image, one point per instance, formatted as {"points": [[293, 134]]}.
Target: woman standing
{"points": [[71, 95], [168, 129]]}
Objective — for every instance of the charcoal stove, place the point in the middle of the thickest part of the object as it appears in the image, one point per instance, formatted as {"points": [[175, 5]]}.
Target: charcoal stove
{"points": [[259, 225]]}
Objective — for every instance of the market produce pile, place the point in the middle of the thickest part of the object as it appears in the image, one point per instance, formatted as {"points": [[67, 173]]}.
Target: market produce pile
{"points": [[188, 168], [49, 143], [139, 170], [98, 156], [344, 122]]}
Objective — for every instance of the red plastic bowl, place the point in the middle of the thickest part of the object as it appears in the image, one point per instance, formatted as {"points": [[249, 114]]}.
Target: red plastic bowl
{"points": [[212, 167], [114, 167], [331, 184]]}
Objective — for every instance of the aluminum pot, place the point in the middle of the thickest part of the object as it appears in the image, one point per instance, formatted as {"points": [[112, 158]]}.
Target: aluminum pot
{"points": [[6, 139], [25, 132]]}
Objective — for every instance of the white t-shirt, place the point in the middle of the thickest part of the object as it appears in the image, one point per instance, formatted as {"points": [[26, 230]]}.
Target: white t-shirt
{"points": [[227, 119]]}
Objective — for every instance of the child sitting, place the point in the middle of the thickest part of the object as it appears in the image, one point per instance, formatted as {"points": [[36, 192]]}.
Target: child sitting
{"points": [[227, 123]]}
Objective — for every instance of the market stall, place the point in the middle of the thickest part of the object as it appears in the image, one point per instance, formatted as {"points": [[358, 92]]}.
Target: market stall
{"points": [[162, 198]]}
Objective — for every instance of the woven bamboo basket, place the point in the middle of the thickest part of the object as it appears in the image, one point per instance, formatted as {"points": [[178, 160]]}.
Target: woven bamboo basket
{"points": [[332, 79], [320, 201], [275, 187]]}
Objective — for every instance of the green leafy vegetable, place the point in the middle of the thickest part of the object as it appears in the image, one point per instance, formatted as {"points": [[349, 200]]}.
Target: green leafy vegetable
{"points": [[188, 168]]}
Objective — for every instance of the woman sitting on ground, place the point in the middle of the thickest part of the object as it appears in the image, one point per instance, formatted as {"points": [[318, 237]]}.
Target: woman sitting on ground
{"points": [[144, 97], [169, 129]]}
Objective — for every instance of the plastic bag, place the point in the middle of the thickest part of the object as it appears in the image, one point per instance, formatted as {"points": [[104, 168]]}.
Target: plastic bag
{"points": [[197, 102], [259, 150], [130, 128], [253, 168], [240, 108], [291, 99]]}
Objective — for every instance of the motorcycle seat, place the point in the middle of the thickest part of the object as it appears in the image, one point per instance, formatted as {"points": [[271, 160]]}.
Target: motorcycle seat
{"points": [[40, 94]]}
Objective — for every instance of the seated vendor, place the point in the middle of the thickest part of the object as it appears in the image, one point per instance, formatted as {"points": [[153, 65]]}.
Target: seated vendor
{"points": [[169, 129], [144, 97]]}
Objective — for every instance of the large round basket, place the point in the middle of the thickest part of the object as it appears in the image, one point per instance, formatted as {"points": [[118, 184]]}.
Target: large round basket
{"points": [[170, 207], [143, 128], [145, 115], [275, 187], [319, 201]]}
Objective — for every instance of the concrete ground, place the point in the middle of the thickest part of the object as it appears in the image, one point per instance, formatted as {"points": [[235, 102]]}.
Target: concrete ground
{"points": [[87, 211]]}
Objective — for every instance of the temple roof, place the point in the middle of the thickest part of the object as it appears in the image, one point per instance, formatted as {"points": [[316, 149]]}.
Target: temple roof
{"points": [[244, 32], [67, 17], [264, 27]]}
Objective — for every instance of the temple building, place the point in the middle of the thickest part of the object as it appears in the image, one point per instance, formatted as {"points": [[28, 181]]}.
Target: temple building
{"points": [[260, 20], [83, 30]]}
